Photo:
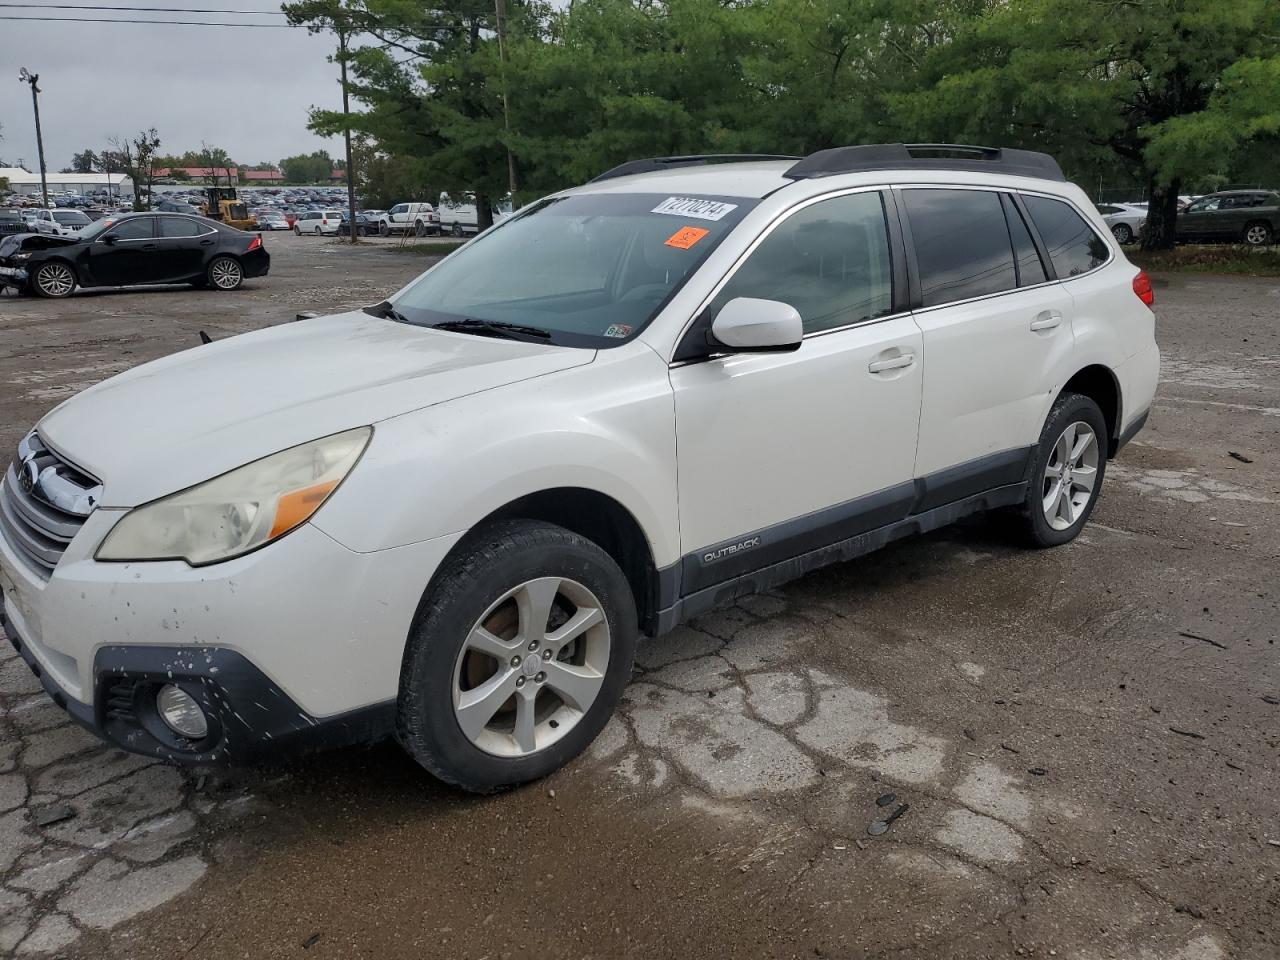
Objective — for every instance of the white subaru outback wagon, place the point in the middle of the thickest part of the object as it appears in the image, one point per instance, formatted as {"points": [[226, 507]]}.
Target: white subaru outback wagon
{"points": [[449, 517]]}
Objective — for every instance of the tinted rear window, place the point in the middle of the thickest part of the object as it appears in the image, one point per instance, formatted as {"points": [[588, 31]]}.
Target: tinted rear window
{"points": [[1072, 245], [961, 242]]}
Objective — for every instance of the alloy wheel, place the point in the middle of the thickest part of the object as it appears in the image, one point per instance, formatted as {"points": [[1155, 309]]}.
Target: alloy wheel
{"points": [[531, 667], [1257, 235], [225, 274], [56, 280], [1069, 475]]}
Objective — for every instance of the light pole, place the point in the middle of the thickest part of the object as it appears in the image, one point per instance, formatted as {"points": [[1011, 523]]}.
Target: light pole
{"points": [[24, 76]]}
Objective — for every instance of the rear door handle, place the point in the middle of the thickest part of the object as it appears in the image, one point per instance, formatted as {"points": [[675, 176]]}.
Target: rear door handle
{"points": [[891, 363], [1046, 320]]}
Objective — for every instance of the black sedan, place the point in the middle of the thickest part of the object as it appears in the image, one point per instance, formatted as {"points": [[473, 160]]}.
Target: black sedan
{"points": [[365, 227], [133, 249]]}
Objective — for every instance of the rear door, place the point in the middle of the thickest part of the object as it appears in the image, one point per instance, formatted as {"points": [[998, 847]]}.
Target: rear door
{"points": [[183, 245], [997, 338], [783, 453]]}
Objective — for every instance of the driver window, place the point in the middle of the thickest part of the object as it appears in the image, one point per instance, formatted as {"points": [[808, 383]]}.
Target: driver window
{"points": [[1201, 205], [830, 261], [136, 229]]}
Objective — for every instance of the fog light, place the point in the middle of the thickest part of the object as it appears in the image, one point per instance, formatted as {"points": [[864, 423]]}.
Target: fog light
{"points": [[179, 710]]}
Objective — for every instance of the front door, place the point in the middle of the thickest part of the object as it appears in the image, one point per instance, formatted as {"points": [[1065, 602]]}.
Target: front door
{"points": [[129, 257], [783, 453]]}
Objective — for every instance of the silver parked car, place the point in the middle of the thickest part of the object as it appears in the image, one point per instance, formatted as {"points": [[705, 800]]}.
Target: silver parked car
{"points": [[1124, 219]]}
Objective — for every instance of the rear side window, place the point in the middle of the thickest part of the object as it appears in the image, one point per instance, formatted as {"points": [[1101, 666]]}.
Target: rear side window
{"points": [[962, 244], [1071, 243], [179, 227], [830, 261]]}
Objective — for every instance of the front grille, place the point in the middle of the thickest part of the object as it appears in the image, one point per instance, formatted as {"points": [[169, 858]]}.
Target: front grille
{"points": [[43, 504]]}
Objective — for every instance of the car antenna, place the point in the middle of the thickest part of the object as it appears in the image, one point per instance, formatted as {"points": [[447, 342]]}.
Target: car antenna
{"points": [[205, 338]]}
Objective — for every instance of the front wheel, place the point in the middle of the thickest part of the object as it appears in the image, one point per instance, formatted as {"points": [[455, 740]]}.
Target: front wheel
{"points": [[54, 280], [297, 231], [1123, 233], [457, 230], [224, 273], [517, 658], [383, 229], [1066, 473], [1257, 234]]}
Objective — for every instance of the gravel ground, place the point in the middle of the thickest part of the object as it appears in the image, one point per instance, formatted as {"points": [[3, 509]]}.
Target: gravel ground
{"points": [[1088, 738]]}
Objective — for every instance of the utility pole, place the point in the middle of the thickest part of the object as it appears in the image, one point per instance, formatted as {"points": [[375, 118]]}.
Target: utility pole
{"points": [[346, 131], [26, 76], [500, 13]]}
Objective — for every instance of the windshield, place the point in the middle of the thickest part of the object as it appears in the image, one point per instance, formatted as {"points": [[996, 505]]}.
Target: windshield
{"points": [[591, 270], [70, 218]]}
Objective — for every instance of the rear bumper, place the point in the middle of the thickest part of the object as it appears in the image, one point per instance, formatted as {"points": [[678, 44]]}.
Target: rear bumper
{"points": [[249, 716]]}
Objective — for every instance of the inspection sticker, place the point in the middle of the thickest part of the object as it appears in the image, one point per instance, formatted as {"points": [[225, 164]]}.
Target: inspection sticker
{"points": [[693, 207], [686, 237], [618, 330]]}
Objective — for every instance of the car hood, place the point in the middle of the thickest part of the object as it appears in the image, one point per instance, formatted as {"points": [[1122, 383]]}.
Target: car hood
{"points": [[166, 425], [13, 242]]}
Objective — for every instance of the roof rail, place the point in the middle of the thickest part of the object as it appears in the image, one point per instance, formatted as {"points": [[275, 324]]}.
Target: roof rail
{"points": [[926, 156], [662, 163]]}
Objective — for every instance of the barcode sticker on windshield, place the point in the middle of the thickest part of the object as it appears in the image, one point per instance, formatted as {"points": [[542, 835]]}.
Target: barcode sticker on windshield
{"points": [[693, 207]]}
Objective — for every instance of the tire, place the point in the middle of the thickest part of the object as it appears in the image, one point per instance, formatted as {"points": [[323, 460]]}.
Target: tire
{"points": [[383, 229], [499, 571], [1037, 524], [1123, 233], [319, 232], [456, 230], [54, 280], [224, 273], [1257, 234], [297, 231], [419, 229]]}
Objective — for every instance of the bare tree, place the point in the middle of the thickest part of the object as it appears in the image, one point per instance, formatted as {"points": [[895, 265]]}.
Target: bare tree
{"points": [[137, 158]]}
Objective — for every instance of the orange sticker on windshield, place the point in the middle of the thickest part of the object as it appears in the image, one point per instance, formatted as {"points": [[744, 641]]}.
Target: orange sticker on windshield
{"points": [[686, 237]]}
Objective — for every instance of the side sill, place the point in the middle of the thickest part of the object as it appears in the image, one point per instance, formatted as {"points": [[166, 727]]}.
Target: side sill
{"points": [[778, 573]]}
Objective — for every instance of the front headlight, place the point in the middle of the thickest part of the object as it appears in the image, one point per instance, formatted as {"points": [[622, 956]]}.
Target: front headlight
{"points": [[239, 511]]}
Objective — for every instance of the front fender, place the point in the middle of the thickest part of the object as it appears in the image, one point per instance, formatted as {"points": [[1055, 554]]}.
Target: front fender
{"points": [[608, 427]]}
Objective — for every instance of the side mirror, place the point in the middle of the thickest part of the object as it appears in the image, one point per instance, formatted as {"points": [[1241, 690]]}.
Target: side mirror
{"points": [[748, 325], [109, 239]]}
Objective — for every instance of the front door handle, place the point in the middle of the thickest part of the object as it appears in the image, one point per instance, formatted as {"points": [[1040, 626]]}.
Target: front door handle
{"points": [[892, 363], [1046, 320]]}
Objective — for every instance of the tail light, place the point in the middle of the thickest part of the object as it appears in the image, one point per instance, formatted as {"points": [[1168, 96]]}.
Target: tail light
{"points": [[256, 244], [1142, 287]]}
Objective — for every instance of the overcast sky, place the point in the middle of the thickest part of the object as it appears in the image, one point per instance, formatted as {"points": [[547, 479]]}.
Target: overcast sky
{"points": [[247, 90]]}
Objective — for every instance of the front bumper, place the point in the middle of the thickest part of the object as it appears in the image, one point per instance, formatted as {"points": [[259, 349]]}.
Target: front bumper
{"points": [[249, 716], [12, 276], [297, 645]]}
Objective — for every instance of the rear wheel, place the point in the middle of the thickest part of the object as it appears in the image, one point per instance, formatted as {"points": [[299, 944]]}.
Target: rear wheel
{"points": [[1123, 233], [319, 232], [54, 279], [456, 230], [517, 658], [1257, 234], [297, 231], [225, 273], [1066, 472], [419, 229]]}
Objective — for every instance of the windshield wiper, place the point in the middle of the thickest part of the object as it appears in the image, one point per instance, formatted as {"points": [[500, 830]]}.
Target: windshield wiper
{"points": [[386, 311], [493, 328]]}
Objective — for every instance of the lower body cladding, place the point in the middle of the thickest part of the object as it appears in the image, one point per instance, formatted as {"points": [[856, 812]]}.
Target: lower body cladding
{"points": [[296, 646]]}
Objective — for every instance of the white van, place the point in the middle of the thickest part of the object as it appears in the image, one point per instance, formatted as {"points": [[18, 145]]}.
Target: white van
{"points": [[459, 217]]}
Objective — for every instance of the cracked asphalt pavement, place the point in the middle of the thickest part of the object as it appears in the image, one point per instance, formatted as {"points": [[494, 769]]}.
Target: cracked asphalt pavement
{"points": [[1086, 739]]}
